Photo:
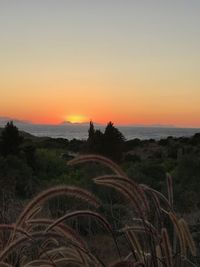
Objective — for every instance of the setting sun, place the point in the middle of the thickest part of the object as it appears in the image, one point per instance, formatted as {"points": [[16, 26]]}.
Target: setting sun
{"points": [[131, 63], [76, 118]]}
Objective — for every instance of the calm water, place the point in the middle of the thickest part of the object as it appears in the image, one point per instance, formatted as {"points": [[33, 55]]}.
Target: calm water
{"points": [[80, 131]]}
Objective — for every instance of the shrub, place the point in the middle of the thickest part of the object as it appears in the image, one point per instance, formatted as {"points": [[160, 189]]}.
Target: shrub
{"points": [[38, 240]]}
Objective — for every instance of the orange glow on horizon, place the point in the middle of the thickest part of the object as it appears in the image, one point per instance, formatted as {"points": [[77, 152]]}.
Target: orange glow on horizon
{"points": [[76, 118], [116, 118], [77, 67]]}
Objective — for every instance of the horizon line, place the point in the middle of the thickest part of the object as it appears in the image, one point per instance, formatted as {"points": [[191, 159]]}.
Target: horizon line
{"points": [[6, 119]]}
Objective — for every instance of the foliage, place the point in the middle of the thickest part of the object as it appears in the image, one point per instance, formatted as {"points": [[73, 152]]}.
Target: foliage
{"points": [[49, 165], [110, 143], [41, 162], [18, 176], [187, 183], [36, 239], [10, 140], [114, 141]]}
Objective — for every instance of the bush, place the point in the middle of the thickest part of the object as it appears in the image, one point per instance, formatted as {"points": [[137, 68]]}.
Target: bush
{"points": [[145, 238]]}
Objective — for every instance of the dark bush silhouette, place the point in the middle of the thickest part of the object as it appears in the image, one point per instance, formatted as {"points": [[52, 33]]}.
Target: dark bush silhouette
{"points": [[10, 140], [110, 143], [98, 144], [113, 142]]}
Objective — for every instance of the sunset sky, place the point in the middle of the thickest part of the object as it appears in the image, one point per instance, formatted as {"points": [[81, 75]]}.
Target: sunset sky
{"points": [[129, 61]]}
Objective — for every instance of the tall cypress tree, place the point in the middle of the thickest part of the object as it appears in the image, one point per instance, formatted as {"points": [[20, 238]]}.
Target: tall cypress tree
{"points": [[90, 140], [91, 131]]}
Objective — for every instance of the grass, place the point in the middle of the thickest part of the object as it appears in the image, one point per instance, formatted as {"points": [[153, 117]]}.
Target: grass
{"points": [[153, 236]]}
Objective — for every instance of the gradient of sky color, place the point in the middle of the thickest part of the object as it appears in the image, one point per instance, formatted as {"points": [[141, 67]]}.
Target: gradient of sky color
{"points": [[129, 61]]}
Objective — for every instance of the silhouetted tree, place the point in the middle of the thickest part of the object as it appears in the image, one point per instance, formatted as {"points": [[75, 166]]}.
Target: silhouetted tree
{"points": [[10, 140], [95, 140], [98, 143], [91, 131], [113, 142], [110, 143], [91, 137]]}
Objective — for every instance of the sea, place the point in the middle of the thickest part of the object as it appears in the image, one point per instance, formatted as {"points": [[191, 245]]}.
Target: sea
{"points": [[80, 131]]}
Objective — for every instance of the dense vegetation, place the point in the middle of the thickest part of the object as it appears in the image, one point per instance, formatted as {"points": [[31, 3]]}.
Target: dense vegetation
{"points": [[29, 164]]}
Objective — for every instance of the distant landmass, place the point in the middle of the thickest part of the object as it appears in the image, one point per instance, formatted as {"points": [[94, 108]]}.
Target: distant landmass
{"points": [[4, 120], [70, 130]]}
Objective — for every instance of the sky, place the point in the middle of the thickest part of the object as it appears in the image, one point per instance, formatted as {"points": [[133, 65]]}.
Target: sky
{"points": [[128, 61]]}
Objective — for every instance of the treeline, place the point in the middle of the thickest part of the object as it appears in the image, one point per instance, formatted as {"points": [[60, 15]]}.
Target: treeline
{"points": [[29, 164], [110, 143]]}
